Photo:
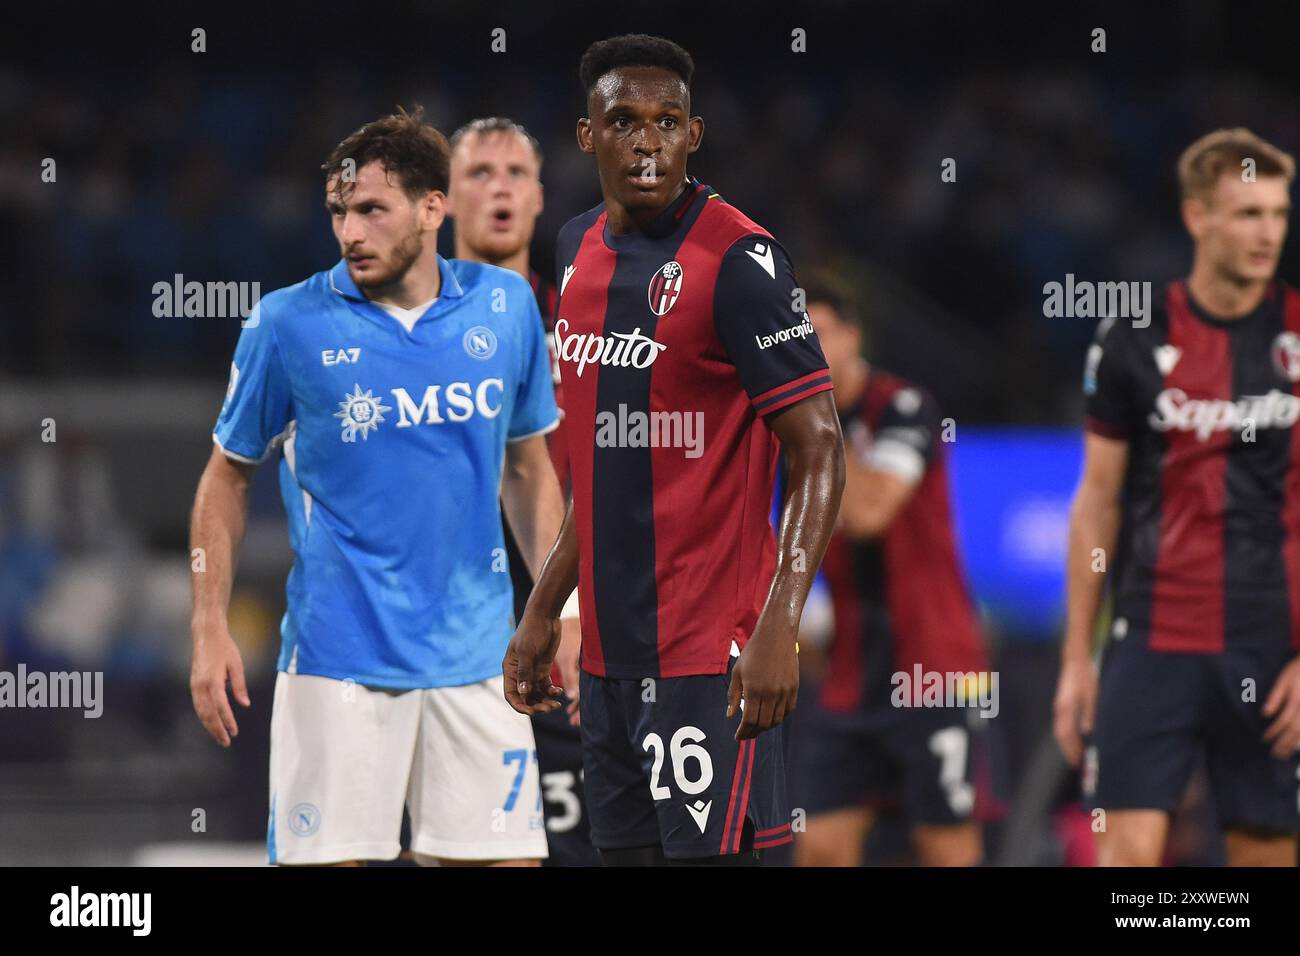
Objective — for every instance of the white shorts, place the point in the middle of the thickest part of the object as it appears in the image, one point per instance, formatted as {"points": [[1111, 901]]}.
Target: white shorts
{"points": [[345, 758]]}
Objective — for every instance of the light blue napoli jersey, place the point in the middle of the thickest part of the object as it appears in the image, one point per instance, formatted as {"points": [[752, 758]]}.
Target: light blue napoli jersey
{"points": [[394, 445]]}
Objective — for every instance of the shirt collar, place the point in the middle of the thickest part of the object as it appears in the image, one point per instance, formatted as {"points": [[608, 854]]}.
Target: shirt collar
{"points": [[663, 225], [666, 222], [341, 282]]}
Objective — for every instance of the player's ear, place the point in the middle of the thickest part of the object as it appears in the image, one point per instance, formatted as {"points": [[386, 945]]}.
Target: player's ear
{"points": [[696, 128], [541, 198], [433, 209], [584, 135]]}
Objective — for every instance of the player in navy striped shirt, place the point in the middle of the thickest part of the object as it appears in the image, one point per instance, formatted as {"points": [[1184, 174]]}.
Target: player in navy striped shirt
{"points": [[900, 606], [1191, 457], [686, 356], [495, 198]]}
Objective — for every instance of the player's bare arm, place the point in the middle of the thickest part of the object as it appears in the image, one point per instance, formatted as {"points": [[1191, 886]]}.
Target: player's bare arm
{"points": [[531, 495], [532, 649], [872, 499], [766, 676], [534, 507], [217, 527], [1094, 527]]}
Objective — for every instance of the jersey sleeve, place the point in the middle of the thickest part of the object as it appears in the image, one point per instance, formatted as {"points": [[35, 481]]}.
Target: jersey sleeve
{"points": [[773, 347], [535, 412], [1108, 383], [907, 434], [259, 402]]}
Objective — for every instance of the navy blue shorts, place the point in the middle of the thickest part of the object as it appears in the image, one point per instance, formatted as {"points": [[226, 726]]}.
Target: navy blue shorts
{"points": [[663, 767], [559, 758], [1156, 710], [919, 760]]}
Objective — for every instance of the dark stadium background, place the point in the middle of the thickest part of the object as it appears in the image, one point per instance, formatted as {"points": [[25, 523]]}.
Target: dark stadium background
{"points": [[206, 164]]}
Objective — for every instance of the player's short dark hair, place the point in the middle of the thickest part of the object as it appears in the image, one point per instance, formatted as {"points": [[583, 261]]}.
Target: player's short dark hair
{"points": [[486, 125], [410, 149], [829, 289], [634, 49]]}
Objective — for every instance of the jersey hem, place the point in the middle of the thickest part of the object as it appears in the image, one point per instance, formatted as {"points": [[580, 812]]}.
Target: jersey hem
{"points": [[418, 682], [777, 836], [527, 849], [1176, 646], [1104, 428], [798, 393], [337, 853], [541, 431], [235, 455], [682, 670]]}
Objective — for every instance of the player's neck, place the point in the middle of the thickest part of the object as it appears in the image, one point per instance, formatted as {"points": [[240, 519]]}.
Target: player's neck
{"points": [[850, 386], [623, 220], [517, 261], [421, 283], [1223, 297]]}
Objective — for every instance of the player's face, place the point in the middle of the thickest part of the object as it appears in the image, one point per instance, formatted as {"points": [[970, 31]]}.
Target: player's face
{"points": [[1242, 227], [639, 127], [496, 193], [841, 341], [381, 231]]}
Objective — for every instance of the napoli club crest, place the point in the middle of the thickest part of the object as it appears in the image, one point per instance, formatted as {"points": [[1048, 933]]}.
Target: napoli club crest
{"points": [[1286, 356], [665, 287], [480, 342], [304, 819]]}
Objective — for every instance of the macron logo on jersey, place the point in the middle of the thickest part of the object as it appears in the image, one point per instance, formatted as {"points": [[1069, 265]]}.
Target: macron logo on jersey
{"points": [[762, 254], [564, 280], [1167, 357], [700, 813]]}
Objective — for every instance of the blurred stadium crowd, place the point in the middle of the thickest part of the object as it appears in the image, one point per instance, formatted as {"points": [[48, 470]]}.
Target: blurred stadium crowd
{"points": [[207, 165]]}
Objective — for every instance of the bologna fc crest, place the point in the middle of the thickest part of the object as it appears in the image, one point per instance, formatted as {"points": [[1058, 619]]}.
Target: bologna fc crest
{"points": [[1286, 356], [665, 287]]}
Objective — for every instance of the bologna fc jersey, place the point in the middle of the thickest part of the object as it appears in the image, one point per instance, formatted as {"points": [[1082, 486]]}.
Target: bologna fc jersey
{"points": [[1209, 547], [394, 444], [904, 589], [675, 344], [555, 443]]}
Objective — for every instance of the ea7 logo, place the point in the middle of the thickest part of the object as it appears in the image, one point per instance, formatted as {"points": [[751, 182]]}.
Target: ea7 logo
{"points": [[340, 356]]}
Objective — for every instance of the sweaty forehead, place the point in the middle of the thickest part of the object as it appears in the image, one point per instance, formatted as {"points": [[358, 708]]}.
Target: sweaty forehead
{"points": [[648, 86]]}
